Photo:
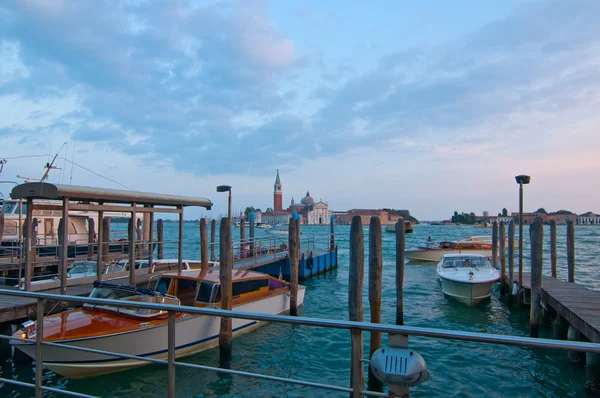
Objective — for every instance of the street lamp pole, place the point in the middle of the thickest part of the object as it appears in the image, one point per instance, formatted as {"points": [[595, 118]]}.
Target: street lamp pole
{"points": [[226, 188], [521, 180]]}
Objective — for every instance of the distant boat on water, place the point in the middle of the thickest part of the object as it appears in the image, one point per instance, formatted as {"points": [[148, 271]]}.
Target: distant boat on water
{"points": [[391, 227]]}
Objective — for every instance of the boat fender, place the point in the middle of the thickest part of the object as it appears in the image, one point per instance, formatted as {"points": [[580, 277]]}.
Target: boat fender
{"points": [[310, 262], [515, 290]]}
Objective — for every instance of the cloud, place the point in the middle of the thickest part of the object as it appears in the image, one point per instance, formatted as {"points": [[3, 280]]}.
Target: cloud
{"points": [[222, 88]]}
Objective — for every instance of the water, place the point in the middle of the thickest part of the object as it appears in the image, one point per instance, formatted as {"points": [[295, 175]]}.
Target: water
{"points": [[322, 355]]}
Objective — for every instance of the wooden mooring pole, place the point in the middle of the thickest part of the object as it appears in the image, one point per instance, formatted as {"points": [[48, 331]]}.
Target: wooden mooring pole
{"points": [[203, 244], [213, 233], [294, 255], [400, 246], [375, 270], [242, 234], [536, 236], [91, 238], [2, 225], [553, 255], [252, 243], [511, 263], [131, 239], [225, 275], [355, 305], [331, 233], [571, 251], [160, 237], [502, 239], [495, 244]]}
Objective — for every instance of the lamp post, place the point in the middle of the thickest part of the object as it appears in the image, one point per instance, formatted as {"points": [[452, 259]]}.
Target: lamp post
{"points": [[521, 180], [226, 188]]}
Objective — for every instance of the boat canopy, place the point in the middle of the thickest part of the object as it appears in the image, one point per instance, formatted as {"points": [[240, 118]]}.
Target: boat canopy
{"points": [[44, 190]]}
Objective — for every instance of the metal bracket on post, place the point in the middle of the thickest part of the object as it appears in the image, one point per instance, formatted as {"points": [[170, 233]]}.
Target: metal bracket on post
{"points": [[398, 366]]}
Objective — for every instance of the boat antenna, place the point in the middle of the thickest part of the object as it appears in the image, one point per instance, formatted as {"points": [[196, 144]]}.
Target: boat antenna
{"points": [[2, 163], [50, 166]]}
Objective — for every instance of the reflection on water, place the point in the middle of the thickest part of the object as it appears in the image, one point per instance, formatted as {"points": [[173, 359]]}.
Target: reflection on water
{"points": [[321, 355]]}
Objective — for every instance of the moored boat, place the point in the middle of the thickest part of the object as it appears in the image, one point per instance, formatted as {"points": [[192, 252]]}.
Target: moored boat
{"points": [[279, 230], [433, 252], [467, 278], [143, 332], [391, 227]]}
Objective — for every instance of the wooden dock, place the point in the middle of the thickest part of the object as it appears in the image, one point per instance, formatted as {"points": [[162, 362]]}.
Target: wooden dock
{"points": [[577, 304]]}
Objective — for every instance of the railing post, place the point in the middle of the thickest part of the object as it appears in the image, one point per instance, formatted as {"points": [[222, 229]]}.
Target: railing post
{"points": [[64, 247], [171, 354], [375, 269], [39, 335], [357, 272], [29, 245], [536, 236], [150, 237]]}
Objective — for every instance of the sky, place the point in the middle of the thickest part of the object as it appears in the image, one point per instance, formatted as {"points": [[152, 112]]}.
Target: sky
{"points": [[428, 106]]}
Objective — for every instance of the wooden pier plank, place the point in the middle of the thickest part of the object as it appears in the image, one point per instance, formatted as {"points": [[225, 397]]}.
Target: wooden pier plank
{"points": [[579, 305]]}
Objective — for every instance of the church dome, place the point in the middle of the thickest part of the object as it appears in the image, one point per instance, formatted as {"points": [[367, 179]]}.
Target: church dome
{"points": [[307, 200]]}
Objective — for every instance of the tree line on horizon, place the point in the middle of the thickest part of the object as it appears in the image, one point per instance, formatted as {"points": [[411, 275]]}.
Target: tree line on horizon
{"points": [[471, 218]]}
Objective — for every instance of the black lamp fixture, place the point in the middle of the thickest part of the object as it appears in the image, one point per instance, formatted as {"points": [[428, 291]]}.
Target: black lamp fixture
{"points": [[226, 188]]}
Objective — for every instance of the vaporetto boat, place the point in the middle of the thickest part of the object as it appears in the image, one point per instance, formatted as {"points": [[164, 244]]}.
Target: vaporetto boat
{"points": [[467, 278], [143, 332]]}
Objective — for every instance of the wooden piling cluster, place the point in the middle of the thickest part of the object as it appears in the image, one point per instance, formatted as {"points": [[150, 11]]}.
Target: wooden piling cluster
{"points": [[355, 305]]}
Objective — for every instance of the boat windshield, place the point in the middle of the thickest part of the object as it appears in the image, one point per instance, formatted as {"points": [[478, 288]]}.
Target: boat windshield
{"points": [[110, 294], [10, 207], [83, 268], [466, 262]]}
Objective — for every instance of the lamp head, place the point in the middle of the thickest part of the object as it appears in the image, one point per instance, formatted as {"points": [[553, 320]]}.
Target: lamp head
{"points": [[523, 179], [223, 188]]}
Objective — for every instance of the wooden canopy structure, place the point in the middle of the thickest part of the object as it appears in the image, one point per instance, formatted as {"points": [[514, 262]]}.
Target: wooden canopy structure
{"points": [[98, 200]]}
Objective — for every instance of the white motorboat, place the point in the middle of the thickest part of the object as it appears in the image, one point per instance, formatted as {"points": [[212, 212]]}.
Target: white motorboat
{"points": [[277, 231], [467, 278], [143, 332]]}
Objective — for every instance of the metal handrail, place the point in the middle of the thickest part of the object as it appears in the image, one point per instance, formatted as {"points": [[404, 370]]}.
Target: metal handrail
{"points": [[305, 321]]}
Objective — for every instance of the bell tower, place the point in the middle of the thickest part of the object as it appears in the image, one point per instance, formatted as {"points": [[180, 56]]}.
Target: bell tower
{"points": [[277, 194]]}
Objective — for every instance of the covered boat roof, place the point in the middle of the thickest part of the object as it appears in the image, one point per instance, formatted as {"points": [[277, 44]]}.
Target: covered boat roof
{"points": [[212, 275], [44, 190]]}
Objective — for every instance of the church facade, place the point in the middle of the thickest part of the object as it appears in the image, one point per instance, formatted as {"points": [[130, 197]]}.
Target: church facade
{"points": [[311, 212]]}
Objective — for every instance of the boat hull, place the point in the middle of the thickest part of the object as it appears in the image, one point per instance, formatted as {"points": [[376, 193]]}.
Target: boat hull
{"points": [[435, 255], [193, 333], [470, 294]]}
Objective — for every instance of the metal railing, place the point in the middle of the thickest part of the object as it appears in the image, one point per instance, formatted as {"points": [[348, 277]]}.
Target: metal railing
{"points": [[303, 321]]}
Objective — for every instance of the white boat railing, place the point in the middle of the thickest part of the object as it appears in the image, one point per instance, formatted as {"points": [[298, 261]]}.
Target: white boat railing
{"points": [[171, 363]]}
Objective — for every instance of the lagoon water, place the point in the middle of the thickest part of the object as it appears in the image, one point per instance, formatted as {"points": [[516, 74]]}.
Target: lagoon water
{"points": [[322, 355]]}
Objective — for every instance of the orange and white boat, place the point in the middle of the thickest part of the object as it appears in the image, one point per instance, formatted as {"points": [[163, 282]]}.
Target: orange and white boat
{"points": [[143, 332], [433, 252]]}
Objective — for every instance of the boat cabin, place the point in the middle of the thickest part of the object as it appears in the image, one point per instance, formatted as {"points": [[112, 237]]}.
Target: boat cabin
{"points": [[458, 261], [193, 289]]}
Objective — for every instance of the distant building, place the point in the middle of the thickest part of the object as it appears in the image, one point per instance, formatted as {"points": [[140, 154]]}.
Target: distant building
{"points": [[310, 212], [588, 218]]}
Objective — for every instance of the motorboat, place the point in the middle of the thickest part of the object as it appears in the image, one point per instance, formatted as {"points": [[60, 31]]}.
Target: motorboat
{"points": [[467, 278], [433, 252], [144, 332], [279, 230], [391, 227], [263, 225]]}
